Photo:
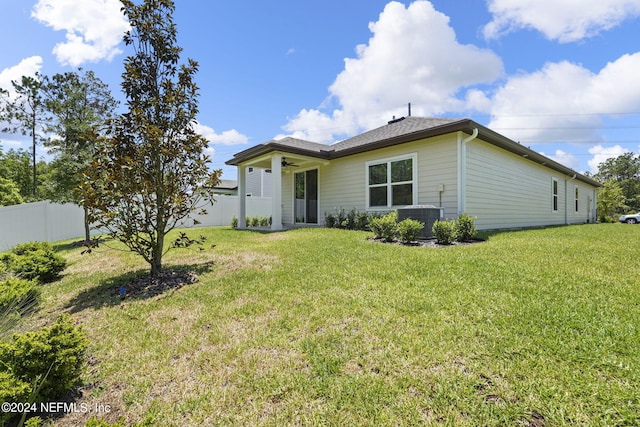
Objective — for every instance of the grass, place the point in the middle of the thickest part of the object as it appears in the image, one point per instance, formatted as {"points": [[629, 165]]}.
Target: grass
{"points": [[322, 326]]}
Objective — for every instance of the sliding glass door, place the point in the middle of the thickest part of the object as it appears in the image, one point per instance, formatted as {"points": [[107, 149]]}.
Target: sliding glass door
{"points": [[306, 197]]}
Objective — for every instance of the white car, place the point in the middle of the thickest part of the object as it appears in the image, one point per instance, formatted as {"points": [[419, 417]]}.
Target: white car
{"points": [[630, 219]]}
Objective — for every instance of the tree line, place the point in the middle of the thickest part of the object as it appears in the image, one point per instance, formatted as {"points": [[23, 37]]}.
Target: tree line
{"points": [[60, 112], [620, 192]]}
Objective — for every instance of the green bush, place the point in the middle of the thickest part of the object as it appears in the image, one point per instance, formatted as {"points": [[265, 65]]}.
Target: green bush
{"points": [[385, 227], [408, 230], [34, 261], [12, 390], [362, 221], [350, 221], [444, 231], [234, 222], [96, 422], [34, 422], [465, 228], [353, 220], [264, 221], [18, 295], [255, 221], [330, 220], [54, 355]]}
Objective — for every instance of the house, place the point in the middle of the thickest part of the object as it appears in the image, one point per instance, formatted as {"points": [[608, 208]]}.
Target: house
{"points": [[456, 164], [226, 187], [258, 182]]}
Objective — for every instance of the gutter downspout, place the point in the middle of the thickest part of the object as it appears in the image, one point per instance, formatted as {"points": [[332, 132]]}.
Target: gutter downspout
{"points": [[462, 170], [566, 198]]}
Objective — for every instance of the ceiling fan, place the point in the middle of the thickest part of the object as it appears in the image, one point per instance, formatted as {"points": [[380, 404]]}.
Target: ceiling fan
{"points": [[285, 163]]}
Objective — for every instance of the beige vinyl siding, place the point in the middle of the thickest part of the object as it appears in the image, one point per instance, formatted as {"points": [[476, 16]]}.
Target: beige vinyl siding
{"points": [[343, 181], [585, 212], [287, 197], [508, 191]]}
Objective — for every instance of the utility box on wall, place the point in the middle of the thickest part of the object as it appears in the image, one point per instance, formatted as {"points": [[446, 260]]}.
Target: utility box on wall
{"points": [[427, 214]]}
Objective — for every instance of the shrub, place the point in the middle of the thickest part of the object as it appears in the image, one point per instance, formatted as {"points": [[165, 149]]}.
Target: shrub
{"points": [[362, 221], [408, 230], [55, 355], [18, 296], [35, 261], [465, 228], [385, 227], [12, 390], [444, 231], [353, 220], [255, 221], [341, 217], [330, 220], [96, 422], [234, 222], [264, 221], [350, 220]]}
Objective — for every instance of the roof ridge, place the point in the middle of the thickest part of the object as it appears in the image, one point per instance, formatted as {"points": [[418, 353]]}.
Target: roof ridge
{"points": [[396, 127]]}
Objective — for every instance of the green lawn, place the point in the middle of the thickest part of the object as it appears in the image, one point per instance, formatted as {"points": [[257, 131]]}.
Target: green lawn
{"points": [[322, 326]]}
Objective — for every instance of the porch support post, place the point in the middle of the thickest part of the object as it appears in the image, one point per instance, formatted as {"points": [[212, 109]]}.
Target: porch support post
{"points": [[242, 197], [276, 192]]}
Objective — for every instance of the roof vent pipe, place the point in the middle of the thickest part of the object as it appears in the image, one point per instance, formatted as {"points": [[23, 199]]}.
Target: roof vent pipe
{"points": [[409, 110]]}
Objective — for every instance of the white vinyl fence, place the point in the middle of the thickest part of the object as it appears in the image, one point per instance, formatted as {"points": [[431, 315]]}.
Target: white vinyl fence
{"points": [[45, 221]]}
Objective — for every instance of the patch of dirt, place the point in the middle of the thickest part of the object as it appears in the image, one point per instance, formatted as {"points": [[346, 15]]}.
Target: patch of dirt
{"points": [[535, 420]]}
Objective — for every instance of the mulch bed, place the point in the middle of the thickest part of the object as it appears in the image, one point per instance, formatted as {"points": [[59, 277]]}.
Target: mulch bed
{"points": [[431, 243], [147, 286]]}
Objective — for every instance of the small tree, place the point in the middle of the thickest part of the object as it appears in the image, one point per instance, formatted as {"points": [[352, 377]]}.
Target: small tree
{"points": [[150, 172], [611, 200], [625, 170]]}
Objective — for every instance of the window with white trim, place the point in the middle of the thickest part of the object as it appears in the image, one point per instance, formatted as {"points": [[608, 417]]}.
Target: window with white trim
{"points": [[391, 182], [554, 193]]}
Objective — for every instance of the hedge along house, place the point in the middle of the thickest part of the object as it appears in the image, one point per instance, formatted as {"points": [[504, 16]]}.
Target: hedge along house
{"points": [[455, 164]]}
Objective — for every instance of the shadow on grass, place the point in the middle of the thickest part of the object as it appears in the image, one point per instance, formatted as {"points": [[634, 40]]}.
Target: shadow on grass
{"points": [[137, 285]]}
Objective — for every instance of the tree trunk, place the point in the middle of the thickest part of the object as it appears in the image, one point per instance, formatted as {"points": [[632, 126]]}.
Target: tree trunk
{"points": [[87, 230], [33, 155], [156, 261]]}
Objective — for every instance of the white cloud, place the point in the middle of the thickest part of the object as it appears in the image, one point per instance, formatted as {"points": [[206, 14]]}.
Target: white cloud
{"points": [[11, 143], [562, 20], [412, 56], [601, 154], [563, 158], [94, 28], [210, 151], [26, 67], [565, 102], [228, 137]]}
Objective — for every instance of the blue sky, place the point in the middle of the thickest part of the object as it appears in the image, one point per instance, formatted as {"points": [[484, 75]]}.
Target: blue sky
{"points": [[561, 79]]}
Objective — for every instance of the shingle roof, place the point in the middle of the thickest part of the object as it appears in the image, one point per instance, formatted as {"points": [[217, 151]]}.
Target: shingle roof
{"points": [[401, 131], [300, 143], [399, 127], [227, 184], [395, 128]]}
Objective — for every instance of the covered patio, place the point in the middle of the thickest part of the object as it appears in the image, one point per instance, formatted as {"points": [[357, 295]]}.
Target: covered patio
{"points": [[282, 161]]}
